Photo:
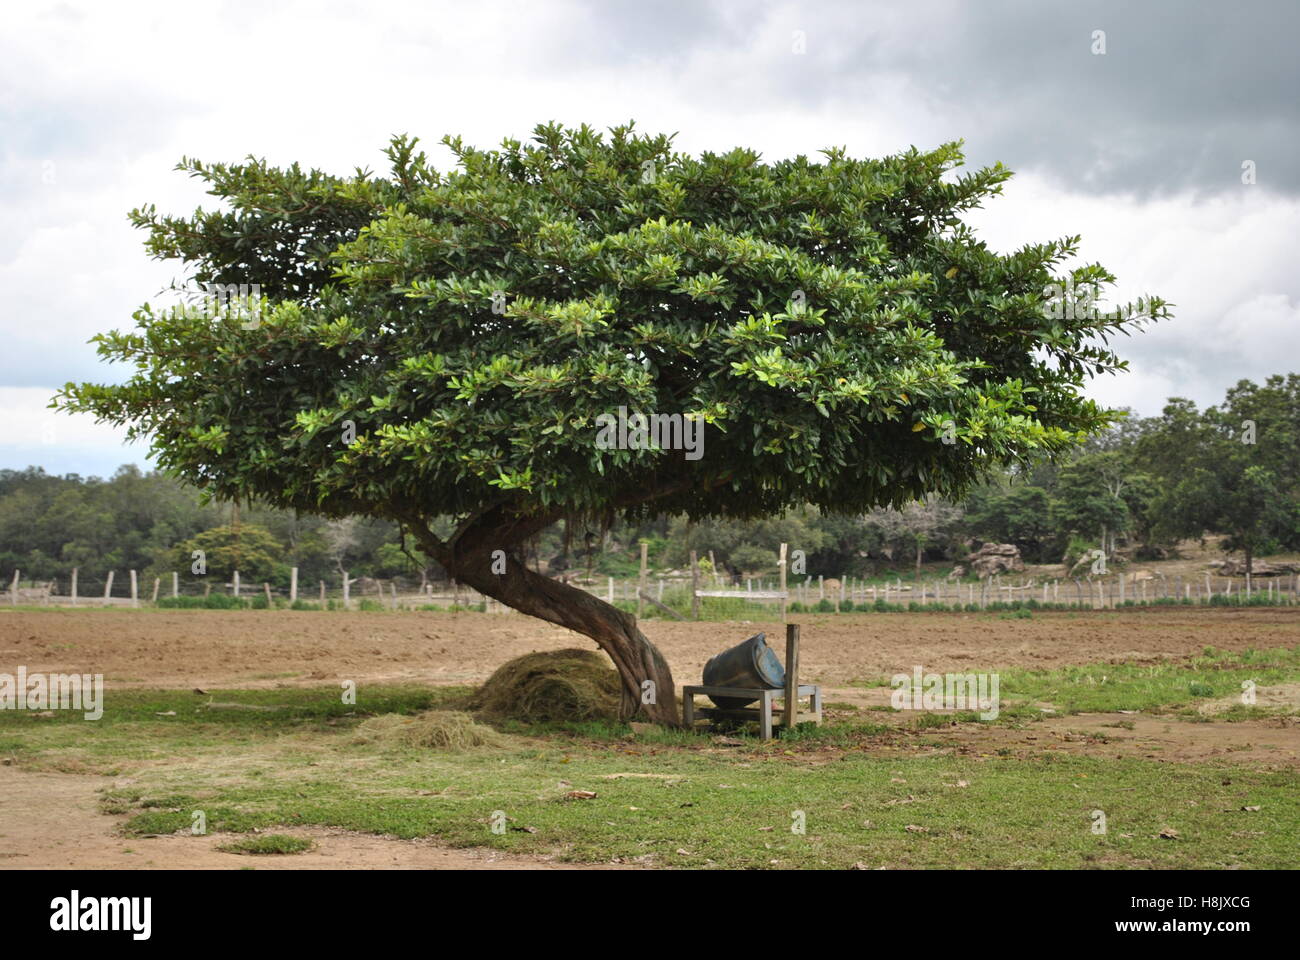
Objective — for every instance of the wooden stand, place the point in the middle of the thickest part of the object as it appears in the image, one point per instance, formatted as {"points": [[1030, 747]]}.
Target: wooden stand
{"points": [[791, 694], [763, 713]]}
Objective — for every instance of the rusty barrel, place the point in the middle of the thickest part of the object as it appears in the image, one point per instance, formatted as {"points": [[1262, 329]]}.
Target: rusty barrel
{"points": [[750, 664]]}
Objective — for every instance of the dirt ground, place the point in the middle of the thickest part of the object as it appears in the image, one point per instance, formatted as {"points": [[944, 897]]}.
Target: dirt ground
{"points": [[52, 820], [212, 648]]}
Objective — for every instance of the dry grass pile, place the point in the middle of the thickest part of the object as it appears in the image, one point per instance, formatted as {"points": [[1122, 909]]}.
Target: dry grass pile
{"points": [[552, 685], [436, 729]]}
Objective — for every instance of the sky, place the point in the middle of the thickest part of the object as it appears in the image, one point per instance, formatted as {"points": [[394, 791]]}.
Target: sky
{"points": [[1134, 125]]}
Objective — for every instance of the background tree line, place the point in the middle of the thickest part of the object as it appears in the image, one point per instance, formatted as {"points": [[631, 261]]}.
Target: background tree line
{"points": [[1231, 470]]}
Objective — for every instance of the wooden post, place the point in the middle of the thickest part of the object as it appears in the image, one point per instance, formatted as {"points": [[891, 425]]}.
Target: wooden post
{"points": [[695, 586], [176, 584], [347, 589], [791, 675], [293, 584], [157, 582], [108, 586], [135, 597], [235, 584], [713, 568], [74, 586], [393, 586], [640, 604], [780, 563], [13, 590], [322, 594], [207, 589], [266, 591], [821, 587], [609, 597]]}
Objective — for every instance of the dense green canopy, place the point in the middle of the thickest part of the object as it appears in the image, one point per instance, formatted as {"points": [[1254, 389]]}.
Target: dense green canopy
{"points": [[845, 338]]}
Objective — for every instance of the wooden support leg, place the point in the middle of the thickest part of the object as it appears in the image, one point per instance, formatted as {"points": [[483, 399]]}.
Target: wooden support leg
{"points": [[765, 716], [688, 709], [815, 704]]}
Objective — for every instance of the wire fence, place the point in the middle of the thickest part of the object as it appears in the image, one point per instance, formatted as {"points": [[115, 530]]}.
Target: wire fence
{"points": [[674, 596]]}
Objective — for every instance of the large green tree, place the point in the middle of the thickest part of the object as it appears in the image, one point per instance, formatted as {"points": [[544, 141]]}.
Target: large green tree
{"points": [[441, 344]]}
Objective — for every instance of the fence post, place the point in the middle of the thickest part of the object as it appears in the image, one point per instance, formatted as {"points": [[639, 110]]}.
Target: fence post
{"points": [[74, 586], [322, 594], [293, 584], [157, 582], [393, 585], [135, 598], [108, 587], [609, 593], [640, 604], [207, 589], [176, 584], [791, 675], [13, 590], [266, 589], [347, 589], [781, 565], [235, 585], [695, 586]]}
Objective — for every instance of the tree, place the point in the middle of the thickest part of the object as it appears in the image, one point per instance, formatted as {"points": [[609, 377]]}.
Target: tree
{"points": [[1231, 469], [1019, 514], [442, 344], [246, 548]]}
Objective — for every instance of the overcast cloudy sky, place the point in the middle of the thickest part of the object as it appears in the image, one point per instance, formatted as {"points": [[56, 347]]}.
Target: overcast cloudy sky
{"points": [[1140, 148]]}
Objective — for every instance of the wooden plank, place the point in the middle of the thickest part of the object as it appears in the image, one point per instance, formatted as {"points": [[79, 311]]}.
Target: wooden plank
{"points": [[655, 603], [791, 673], [805, 689]]}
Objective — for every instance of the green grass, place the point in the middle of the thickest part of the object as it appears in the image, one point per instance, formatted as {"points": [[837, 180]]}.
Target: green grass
{"points": [[1105, 688], [860, 786], [267, 843], [1156, 688]]}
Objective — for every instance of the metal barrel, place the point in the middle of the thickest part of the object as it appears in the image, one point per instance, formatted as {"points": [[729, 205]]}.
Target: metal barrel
{"points": [[750, 663]]}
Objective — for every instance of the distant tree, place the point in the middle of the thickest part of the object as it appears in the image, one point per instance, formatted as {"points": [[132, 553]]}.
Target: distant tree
{"points": [[246, 548]]}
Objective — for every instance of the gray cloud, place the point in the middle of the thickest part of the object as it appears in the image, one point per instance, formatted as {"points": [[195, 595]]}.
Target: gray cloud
{"points": [[1182, 95]]}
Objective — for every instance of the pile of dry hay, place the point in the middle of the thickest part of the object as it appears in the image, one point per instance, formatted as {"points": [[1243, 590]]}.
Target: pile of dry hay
{"points": [[439, 729], [553, 685]]}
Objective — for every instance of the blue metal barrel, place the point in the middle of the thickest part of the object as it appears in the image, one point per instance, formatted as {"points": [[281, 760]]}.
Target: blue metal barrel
{"points": [[751, 664]]}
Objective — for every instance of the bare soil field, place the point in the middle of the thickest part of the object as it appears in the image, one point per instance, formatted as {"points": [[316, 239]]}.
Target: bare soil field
{"points": [[251, 648]]}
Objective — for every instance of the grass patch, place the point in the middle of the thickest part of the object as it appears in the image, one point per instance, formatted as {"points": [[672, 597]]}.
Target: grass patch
{"points": [[268, 843], [1106, 688]]}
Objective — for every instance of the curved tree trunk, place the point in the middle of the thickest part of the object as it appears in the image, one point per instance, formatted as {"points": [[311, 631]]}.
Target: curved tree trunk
{"points": [[484, 559]]}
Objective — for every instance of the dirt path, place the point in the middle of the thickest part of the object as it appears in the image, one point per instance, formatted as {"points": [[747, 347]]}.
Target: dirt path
{"points": [[52, 821]]}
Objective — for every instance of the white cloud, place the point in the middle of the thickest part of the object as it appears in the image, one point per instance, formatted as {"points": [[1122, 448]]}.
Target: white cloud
{"points": [[103, 99]]}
